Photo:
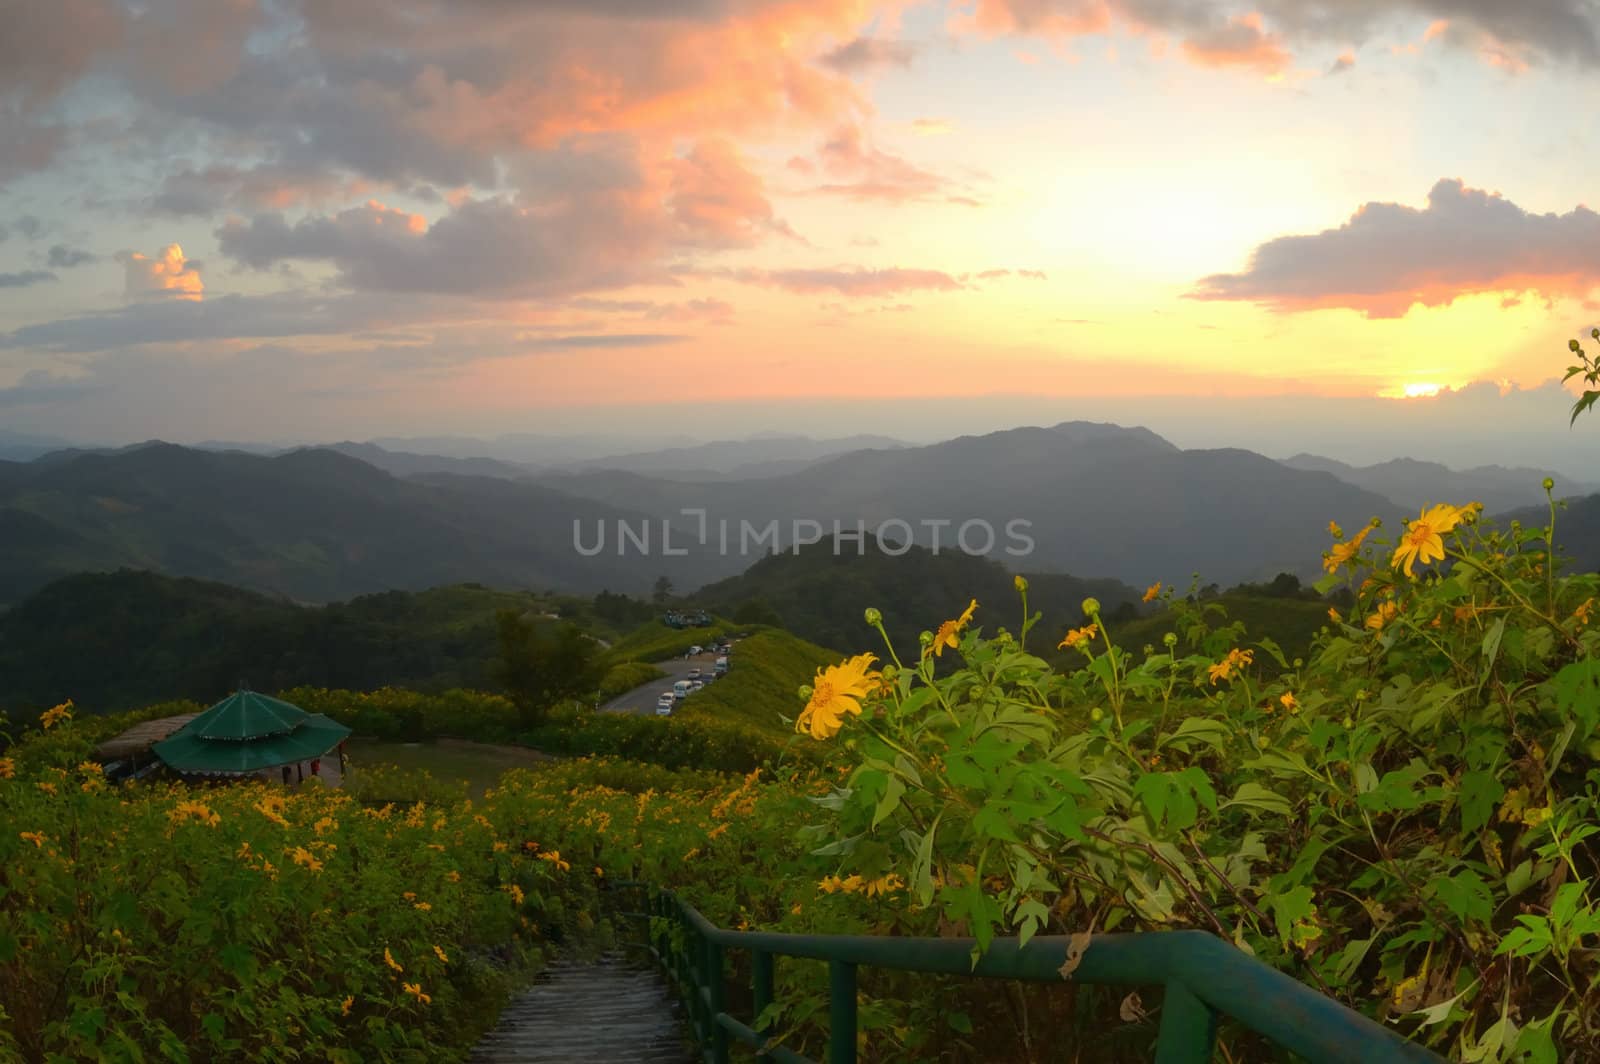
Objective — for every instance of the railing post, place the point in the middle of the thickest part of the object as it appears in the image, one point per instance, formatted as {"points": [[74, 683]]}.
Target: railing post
{"points": [[761, 985], [842, 1013], [719, 1034], [1188, 1027]]}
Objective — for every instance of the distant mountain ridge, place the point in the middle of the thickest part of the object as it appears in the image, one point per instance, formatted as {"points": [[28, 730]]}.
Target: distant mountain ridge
{"points": [[1411, 484], [1098, 499], [314, 525]]}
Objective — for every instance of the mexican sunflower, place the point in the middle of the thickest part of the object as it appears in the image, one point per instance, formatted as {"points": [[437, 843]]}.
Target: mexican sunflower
{"points": [[837, 690], [1423, 538], [949, 631], [1343, 553]]}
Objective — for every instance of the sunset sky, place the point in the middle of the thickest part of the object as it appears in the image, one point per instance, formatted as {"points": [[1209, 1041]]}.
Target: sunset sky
{"points": [[319, 219]]}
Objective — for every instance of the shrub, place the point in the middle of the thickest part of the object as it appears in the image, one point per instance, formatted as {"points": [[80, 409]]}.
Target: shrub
{"points": [[1407, 819]]}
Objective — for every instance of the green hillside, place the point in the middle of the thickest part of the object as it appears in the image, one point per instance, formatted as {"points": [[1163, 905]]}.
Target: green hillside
{"points": [[767, 669], [819, 594], [1289, 622]]}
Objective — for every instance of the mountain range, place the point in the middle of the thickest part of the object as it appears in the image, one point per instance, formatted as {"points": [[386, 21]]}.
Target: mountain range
{"points": [[312, 525], [320, 524], [1411, 484]]}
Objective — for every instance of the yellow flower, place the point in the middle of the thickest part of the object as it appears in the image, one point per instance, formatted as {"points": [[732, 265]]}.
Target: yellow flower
{"points": [[1423, 538], [1078, 635], [437, 952], [1581, 614], [34, 837], [46, 787], [1288, 701], [554, 857], [1344, 553], [302, 856], [1232, 665], [388, 958], [515, 892], [192, 810], [838, 690], [91, 768], [56, 714], [950, 630], [1334, 530], [1152, 591], [345, 1008], [884, 885], [794, 910], [415, 990], [8, 768], [1333, 615], [423, 906], [1385, 613], [453, 876], [409, 895]]}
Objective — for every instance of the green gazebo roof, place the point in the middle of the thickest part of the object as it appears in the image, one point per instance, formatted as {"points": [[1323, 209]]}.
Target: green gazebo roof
{"points": [[247, 732]]}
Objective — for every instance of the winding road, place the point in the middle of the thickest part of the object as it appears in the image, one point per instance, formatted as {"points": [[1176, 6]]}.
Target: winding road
{"points": [[642, 699]]}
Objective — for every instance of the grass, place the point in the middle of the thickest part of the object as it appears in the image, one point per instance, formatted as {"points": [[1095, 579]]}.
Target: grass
{"points": [[654, 641]]}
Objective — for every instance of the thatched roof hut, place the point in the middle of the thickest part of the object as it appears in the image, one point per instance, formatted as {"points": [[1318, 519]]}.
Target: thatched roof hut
{"points": [[135, 743]]}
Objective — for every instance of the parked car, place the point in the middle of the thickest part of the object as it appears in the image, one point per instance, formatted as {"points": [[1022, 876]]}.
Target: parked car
{"points": [[680, 690], [697, 649], [720, 667], [694, 673], [665, 703], [695, 685]]}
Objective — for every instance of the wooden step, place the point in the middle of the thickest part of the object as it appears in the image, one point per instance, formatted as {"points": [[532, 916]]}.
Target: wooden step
{"points": [[600, 1012]]}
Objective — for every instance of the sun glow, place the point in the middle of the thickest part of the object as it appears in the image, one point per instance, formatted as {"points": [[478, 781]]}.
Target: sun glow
{"points": [[1415, 389]]}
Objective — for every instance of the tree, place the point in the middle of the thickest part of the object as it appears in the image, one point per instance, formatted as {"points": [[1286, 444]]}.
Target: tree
{"points": [[1284, 585], [756, 611], [663, 590], [539, 665]]}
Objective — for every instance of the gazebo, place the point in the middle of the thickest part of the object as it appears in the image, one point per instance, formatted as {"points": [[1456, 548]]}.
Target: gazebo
{"points": [[247, 732]]}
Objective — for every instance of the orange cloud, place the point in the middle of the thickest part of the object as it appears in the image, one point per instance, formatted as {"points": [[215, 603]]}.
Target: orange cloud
{"points": [[848, 282], [1241, 43], [716, 201], [860, 171], [169, 274], [1389, 257]]}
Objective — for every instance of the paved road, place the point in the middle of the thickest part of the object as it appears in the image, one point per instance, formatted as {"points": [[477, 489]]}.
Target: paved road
{"points": [[642, 699]]}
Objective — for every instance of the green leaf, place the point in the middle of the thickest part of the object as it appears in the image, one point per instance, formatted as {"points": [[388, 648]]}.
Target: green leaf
{"points": [[959, 1021], [1466, 895], [1255, 796], [922, 868], [890, 801], [1213, 733], [1480, 793]]}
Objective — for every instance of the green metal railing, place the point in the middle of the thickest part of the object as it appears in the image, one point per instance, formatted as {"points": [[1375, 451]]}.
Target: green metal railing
{"points": [[1203, 976]]}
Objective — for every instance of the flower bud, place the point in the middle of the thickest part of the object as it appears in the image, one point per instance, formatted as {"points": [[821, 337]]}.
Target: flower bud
{"points": [[873, 617], [1299, 662], [1149, 648], [925, 637], [1263, 742], [1348, 723], [1572, 345], [1097, 714], [1091, 607], [1020, 583], [1170, 640], [1548, 483], [805, 692]]}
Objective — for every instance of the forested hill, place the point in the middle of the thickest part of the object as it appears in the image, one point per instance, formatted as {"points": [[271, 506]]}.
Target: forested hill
{"points": [[314, 525], [820, 594], [119, 640]]}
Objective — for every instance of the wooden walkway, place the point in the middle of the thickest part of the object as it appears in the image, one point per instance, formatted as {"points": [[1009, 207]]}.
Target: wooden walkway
{"points": [[602, 1012]]}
